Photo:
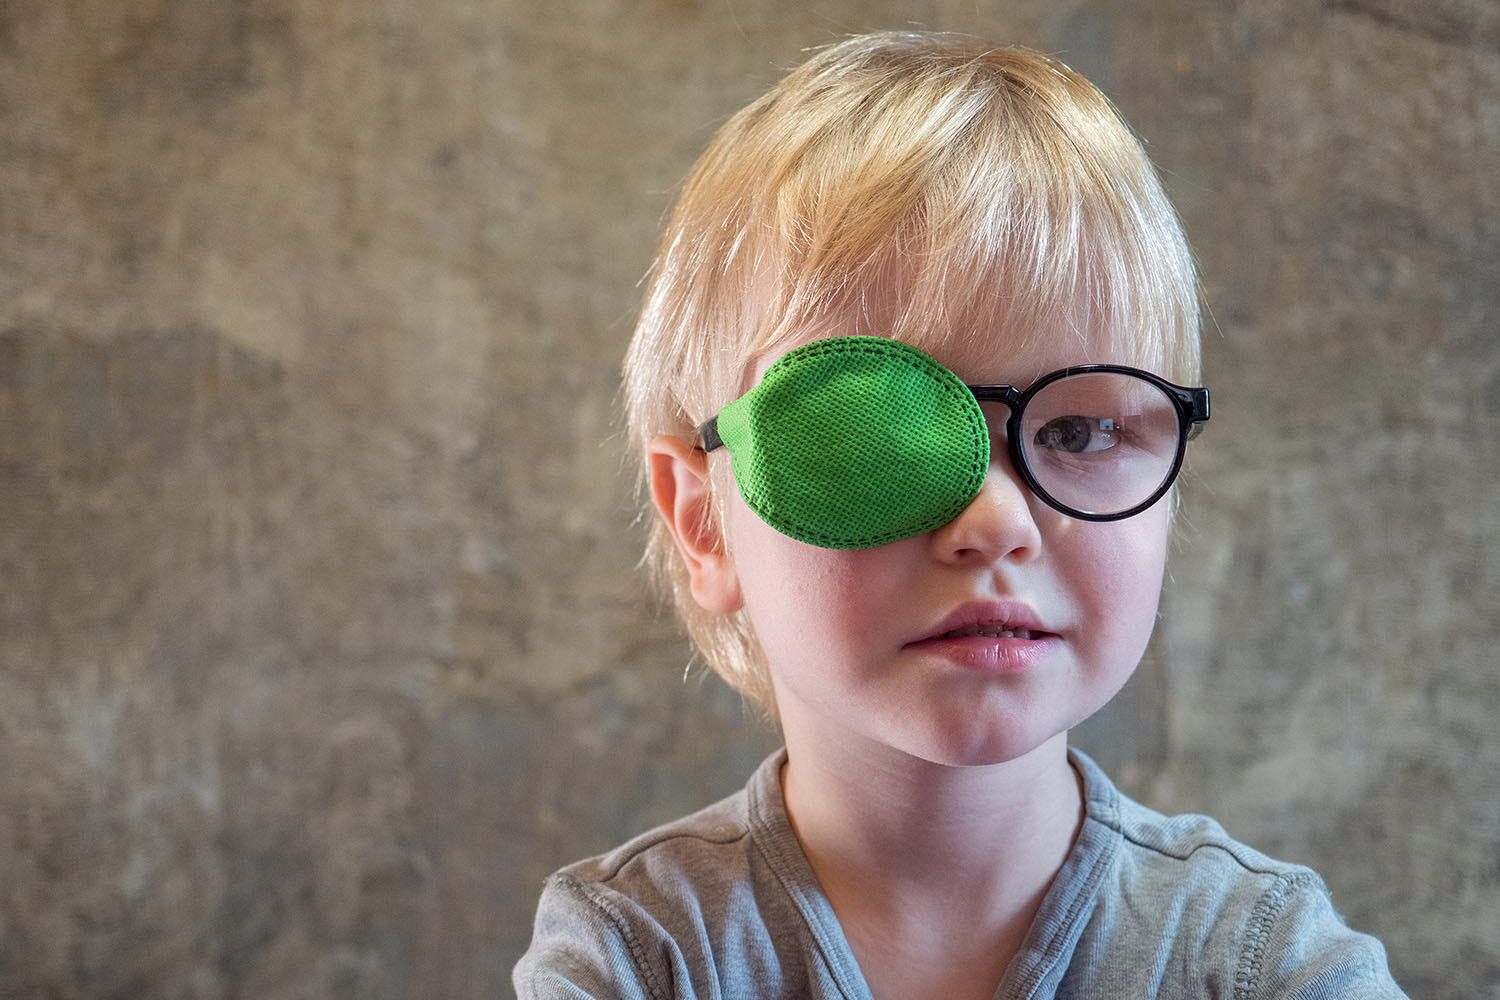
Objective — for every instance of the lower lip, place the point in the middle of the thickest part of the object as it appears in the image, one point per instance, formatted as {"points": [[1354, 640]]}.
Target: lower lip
{"points": [[991, 654]]}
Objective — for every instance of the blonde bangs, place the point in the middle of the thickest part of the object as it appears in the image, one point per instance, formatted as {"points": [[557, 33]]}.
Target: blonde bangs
{"points": [[903, 185]]}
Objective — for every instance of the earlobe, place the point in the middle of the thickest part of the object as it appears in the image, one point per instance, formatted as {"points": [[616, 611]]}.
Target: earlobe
{"points": [[681, 491]]}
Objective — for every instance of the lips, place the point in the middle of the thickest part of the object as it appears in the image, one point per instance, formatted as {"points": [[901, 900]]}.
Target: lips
{"points": [[991, 638], [989, 630], [989, 619]]}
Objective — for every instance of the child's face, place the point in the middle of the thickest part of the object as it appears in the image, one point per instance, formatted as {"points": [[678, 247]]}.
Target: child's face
{"points": [[843, 629]]}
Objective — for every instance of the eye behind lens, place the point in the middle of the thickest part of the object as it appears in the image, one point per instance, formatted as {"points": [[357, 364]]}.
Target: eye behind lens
{"points": [[1100, 443], [1067, 433]]}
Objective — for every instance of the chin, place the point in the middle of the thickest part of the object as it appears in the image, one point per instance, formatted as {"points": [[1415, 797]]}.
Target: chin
{"points": [[961, 746]]}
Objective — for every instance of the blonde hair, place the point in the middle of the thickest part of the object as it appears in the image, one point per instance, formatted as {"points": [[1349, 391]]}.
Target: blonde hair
{"points": [[908, 185]]}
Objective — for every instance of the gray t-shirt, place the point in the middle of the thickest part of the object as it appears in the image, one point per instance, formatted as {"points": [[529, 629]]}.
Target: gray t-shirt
{"points": [[723, 904]]}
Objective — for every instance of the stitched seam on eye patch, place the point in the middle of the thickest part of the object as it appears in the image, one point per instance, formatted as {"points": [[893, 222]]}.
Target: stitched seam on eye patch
{"points": [[936, 375]]}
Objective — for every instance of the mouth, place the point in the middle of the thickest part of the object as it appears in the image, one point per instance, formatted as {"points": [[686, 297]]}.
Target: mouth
{"points": [[989, 620], [991, 631], [991, 638]]}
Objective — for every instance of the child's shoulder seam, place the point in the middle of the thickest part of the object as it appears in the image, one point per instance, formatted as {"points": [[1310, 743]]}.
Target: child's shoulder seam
{"points": [[608, 866], [586, 891], [1263, 918], [1207, 834], [1284, 870]]}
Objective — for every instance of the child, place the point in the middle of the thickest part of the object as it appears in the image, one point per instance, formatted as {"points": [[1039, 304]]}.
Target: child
{"points": [[898, 514]]}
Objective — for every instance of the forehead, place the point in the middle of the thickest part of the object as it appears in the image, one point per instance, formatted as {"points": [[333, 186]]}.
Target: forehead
{"points": [[985, 356], [991, 311]]}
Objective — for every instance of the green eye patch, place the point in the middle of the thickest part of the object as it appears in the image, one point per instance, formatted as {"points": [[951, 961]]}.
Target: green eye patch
{"points": [[854, 442]]}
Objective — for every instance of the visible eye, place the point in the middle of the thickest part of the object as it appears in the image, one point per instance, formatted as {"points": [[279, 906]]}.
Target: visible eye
{"points": [[1076, 434]]}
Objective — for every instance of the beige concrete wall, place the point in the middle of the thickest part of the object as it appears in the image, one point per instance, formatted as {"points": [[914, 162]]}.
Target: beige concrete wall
{"points": [[320, 634]]}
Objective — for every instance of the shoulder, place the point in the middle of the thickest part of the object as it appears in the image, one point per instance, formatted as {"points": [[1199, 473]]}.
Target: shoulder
{"points": [[582, 946], [710, 834], [674, 870], [1185, 854], [629, 922], [1189, 847], [1181, 888], [666, 877]]}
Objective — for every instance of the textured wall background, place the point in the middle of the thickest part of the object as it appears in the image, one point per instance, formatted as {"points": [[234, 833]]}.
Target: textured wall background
{"points": [[320, 635]]}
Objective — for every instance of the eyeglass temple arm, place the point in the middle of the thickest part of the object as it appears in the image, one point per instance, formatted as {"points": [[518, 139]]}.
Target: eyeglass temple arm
{"points": [[1197, 404], [708, 431]]}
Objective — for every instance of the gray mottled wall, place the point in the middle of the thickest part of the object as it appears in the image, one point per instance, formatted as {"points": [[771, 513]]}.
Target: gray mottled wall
{"points": [[320, 632]]}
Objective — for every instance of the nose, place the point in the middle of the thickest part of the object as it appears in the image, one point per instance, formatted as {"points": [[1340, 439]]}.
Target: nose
{"points": [[999, 524]]}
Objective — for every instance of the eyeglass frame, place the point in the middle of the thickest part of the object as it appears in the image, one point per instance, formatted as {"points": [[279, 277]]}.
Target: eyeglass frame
{"points": [[1191, 406]]}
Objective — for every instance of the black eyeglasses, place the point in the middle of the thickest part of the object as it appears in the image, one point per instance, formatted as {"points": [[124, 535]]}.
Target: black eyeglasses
{"points": [[1099, 442]]}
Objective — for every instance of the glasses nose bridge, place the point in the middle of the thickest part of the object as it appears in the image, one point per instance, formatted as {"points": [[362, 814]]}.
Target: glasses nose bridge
{"points": [[1007, 394]]}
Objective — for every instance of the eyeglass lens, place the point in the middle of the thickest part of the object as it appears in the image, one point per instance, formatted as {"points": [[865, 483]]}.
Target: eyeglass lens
{"points": [[1100, 442]]}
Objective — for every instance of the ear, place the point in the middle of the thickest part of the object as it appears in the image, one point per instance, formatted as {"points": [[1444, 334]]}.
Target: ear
{"points": [[680, 489]]}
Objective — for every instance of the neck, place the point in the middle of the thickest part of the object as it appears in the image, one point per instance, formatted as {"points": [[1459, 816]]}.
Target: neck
{"points": [[899, 839]]}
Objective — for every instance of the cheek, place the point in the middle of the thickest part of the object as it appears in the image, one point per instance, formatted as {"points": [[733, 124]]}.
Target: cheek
{"points": [[777, 575], [1118, 575], [802, 599]]}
